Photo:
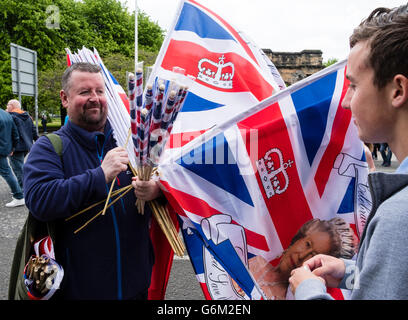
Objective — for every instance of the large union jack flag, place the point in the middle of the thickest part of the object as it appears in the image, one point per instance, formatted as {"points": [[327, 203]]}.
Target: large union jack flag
{"points": [[244, 188], [231, 72]]}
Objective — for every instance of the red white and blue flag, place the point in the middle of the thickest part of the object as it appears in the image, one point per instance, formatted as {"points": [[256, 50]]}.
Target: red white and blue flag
{"points": [[231, 72], [244, 188]]}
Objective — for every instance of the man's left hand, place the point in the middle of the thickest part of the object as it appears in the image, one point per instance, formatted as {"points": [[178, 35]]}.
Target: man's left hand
{"points": [[146, 190]]}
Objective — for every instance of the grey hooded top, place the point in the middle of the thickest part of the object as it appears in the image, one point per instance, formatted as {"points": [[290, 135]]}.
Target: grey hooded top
{"points": [[380, 271]]}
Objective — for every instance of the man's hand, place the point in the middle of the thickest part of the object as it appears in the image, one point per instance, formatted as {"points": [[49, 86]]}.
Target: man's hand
{"points": [[331, 269], [146, 190], [115, 162], [325, 268], [300, 274]]}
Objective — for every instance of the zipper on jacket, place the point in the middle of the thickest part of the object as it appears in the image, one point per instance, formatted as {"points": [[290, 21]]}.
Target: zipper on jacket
{"points": [[115, 223]]}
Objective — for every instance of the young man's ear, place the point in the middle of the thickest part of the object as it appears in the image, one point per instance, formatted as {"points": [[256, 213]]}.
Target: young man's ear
{"points": [[399, 91]]}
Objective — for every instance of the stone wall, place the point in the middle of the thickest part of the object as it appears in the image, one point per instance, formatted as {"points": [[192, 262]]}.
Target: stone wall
{"points": [[295, 66]]}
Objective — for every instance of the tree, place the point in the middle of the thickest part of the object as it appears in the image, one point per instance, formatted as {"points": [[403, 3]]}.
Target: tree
{"points": [[330, 62], [103, 24]]}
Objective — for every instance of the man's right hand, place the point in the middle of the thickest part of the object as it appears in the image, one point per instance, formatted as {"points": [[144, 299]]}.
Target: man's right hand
{"points": [[331, 269], [115, 162]]}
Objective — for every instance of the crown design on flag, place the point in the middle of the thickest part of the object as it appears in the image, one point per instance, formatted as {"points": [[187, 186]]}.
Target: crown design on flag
{"points": [[219, 74], [272, 170]]}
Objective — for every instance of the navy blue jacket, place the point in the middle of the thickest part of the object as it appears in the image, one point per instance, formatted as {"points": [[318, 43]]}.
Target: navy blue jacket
{"points": [[26, 129], [9, 136], [112, 257]]}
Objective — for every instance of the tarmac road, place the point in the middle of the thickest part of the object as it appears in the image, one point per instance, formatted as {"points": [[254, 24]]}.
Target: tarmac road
{"points": [[183, 284]]}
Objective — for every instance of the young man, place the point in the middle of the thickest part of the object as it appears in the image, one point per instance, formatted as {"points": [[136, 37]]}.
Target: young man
{"points": [[112, 257], [378, 99], [27, 133]]}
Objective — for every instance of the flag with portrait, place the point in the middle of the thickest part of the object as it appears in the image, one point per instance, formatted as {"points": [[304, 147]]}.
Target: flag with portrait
{"points": [[247, 190]]}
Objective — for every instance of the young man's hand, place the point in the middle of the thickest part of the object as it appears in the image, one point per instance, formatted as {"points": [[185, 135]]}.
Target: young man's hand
{"points": [[326, 268]]}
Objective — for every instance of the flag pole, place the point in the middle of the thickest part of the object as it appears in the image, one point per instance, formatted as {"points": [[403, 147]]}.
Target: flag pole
{"points": [[136, 38]]}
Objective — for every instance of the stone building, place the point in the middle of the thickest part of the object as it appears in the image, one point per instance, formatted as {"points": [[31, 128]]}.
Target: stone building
{"points": [[295, 66]]}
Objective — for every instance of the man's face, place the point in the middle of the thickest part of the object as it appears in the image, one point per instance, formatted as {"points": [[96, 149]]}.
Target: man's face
{"points": [[10, 107], [369, 106], [86, 101]]}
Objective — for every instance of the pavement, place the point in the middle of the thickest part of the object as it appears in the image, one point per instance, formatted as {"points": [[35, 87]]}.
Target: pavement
{"points": [[182, 285]]}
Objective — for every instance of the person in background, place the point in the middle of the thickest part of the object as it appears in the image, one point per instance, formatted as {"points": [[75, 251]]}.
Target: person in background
{"points": [[376, 148], [377, 96], [8, 141], [27, 133], [386, 154], [44, 123], [368, 149]]}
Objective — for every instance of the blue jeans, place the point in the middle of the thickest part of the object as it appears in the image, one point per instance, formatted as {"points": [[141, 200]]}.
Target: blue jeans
{"points": [[384, 154], [11, 180], [16, 164]]}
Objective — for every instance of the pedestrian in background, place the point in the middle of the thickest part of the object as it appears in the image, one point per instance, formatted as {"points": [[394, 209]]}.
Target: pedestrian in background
{"points": [[44, 122], [9, 138], [386, 154], [376, 147], [27, 133], [368, 149]]}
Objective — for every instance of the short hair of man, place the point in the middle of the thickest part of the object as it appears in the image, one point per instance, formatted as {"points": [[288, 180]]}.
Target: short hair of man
{"points": [[386, 31], [15, 103], [79, 66]]}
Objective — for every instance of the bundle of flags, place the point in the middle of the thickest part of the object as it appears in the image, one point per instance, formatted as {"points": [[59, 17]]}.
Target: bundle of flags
{"points": [[249, 162], [152, 117], [152, 120]]}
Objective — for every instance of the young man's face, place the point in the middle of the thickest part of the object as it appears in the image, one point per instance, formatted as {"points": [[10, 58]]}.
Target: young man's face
{"points": [[369, 106], [86, 101]]}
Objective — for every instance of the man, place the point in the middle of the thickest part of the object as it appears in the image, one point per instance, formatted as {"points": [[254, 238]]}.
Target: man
{"points": [[27, 133], [112, 257], [8, 141], [386, 154], [44, 123], [378, 99]]}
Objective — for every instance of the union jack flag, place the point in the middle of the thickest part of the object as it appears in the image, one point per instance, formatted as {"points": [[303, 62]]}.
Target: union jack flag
{"points": [[231, 72], [244, 188]]}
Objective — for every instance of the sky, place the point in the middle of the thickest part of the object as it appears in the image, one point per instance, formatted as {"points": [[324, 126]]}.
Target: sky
{"points": [[281, 25]]}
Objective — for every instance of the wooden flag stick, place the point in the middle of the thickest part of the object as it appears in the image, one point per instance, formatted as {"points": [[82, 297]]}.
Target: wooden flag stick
{"points": [[167, 226], [114, 193], [113, 182], [100, 212]]}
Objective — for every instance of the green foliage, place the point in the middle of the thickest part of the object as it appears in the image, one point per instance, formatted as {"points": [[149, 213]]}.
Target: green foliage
{"points": [[330, 62], [103, 24]]}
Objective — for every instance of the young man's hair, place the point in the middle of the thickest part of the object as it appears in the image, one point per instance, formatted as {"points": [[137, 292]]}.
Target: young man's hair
{"points": [[386, 31], [79, 66]]}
